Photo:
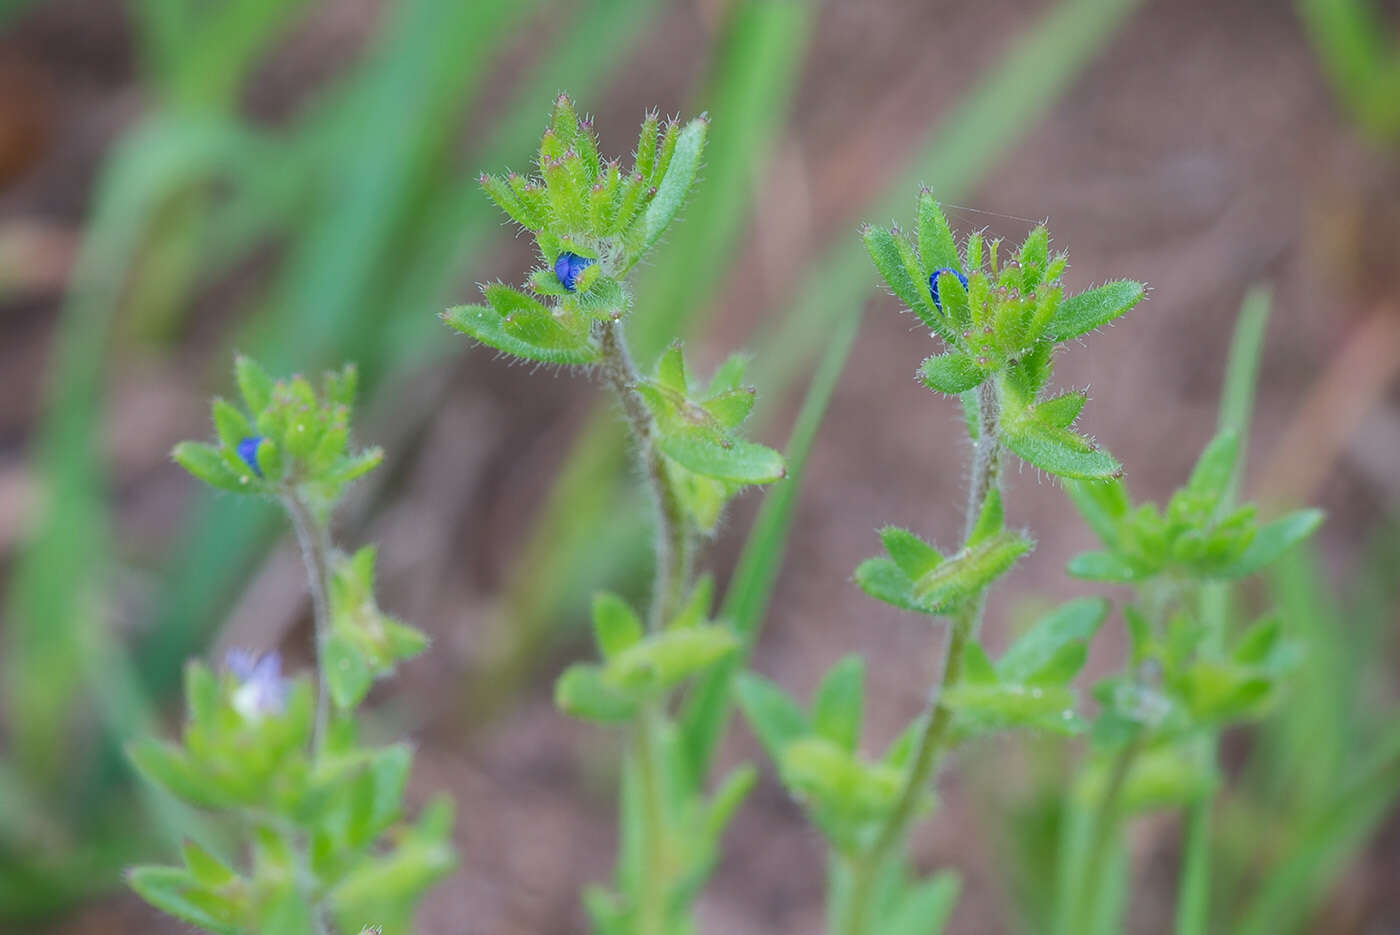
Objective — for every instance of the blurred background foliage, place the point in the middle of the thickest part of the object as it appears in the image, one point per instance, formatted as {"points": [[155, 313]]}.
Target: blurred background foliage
{"points": [[297, 179]]}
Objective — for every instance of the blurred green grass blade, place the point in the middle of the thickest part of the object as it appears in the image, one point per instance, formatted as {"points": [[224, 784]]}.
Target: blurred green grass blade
{"points": [[754, 72], [57, 589], [1360, 58], [1193, 888], [1242, 374], [751, 586], [1293, 888]]}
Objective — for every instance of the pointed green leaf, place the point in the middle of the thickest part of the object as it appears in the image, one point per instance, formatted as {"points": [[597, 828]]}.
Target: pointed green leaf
{"points": [[583, 692], [616, 626], [732, 408], [837, 707], [675, 184], [174, 891], [1034, 256], [990, 520], [1055, 648], [884, 251], [1093, 308], [253, 383], [740, 463], [936, 244], [1272, 540], [348, 673], [914, 556], [1058, 451], [1060, 411], [951, 373], [207, 464], [670, 369], [229, 424], [883, 580], [1215, 468], [486, 326], [965, 575], [775, 718]]}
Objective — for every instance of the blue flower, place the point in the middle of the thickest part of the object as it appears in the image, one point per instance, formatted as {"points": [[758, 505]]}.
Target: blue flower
{"points": [[569, 267], [261, 688], [248, 450], [933, 283]]}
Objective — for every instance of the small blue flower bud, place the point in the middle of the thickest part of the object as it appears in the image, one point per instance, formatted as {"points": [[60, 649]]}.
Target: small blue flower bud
{"points": [[261, 688], [248, 450], [568, 268], [933, 283]]}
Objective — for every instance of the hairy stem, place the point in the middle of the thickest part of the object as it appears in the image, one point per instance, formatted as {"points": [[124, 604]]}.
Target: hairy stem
{"points": [[937, 717], [674, 542], [314, 539]]}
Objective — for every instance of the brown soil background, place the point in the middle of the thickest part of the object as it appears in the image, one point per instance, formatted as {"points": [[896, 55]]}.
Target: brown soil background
{"points": [[1201, 152]]}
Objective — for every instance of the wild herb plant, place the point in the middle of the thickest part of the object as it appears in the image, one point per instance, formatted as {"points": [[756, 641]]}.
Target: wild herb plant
{"points": [[1152, 744], [592, 221], [1001, 321], [318, 816]]}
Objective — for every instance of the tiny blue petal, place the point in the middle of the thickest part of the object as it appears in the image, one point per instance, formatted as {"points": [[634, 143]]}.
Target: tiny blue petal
{"points": [[933, 283], [261, 688], [568, 267], [248, 450]]}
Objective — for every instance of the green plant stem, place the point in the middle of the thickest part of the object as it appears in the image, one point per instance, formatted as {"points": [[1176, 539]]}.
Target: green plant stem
{"points": [[674, 549], [938, 718], [655, 883], [1102, 826], [314, 539], [674, 542]]}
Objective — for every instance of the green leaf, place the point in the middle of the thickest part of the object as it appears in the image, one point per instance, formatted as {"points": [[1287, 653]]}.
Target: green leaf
{"points": [[740, 462], [174, 891], [1093, 308], [670, 369], [583, 692], [936, 245], [169, 766], [914, 556], [207, 464], [965, 575], [775, 718], [253, 383], [1272, 540], [837, 707], [664, 659], [990, 520], [883, 580], [1060, 411], [1055, 647], [1057, 451], [1103, 504], [1102, 566], [813, 768], [229, 424], [1008, 704], [885, 253], [348, 674], [616, 626], [1034, 256], [204, 867], [951, 373], [675, 184], [924, 909], [1215, 469], [486, 326]]}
